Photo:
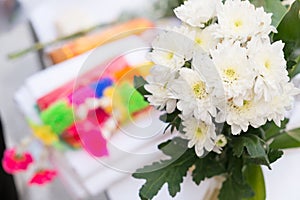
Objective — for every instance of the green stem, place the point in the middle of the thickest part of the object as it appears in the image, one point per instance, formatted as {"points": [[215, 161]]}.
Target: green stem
{"points": [[262, 132]]}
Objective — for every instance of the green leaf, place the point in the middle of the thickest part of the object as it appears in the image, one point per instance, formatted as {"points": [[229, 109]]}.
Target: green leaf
{"points": [[235, 186], [173, 119], [169, 171], [274, 154], [258, 161], [289, 139], [289, 27], [288, 32], [272, 129], [207, 167], [232, 190], [255, 178], [169, 117], [291, 53], [173, 147], [294, 133], [284, 141], [252, 143], [139, 83], [295, 70], [254, 146]]}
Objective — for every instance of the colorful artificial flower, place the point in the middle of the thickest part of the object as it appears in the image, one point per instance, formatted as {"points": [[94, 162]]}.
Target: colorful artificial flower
{"points": [[71, 137], [91, 138], [44, 133], [59, 116], [42, 177], [13, 162]]}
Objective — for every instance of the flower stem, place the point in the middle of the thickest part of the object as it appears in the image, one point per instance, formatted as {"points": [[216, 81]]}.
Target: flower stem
{"points": [[39, 46]]}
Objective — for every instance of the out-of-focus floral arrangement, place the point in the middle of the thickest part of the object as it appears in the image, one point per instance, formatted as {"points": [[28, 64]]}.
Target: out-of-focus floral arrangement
{"points": [[83, 113], [223, 80], [17, 160]]}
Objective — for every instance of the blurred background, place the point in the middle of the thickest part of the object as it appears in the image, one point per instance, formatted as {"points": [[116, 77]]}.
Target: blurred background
{"points": [[35, 37]]}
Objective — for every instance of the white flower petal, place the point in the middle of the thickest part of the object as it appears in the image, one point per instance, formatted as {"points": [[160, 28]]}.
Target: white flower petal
{"points": [[197, 12]]}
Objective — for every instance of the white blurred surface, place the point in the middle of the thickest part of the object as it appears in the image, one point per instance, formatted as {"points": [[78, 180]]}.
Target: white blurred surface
{"points": [[45, 15]]}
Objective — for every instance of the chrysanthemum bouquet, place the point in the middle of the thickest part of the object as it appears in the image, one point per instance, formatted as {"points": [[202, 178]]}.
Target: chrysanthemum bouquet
{"points": [[223, 79]]}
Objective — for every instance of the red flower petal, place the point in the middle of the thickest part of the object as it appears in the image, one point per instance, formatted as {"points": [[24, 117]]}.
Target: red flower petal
{"points": [[13, 162], [42, 177]]}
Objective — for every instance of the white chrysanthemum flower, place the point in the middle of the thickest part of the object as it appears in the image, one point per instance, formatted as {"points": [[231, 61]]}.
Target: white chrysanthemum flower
{"points": [[264, 23], [203, 64], [197, 12], [193, 95], [236, 19], [200, 134], [281, 103], [158, 85], [185, 30], [205, 38], [239, 20], [268, 61], [171, 49], [240, 117], [235, 71], [220, 142]]}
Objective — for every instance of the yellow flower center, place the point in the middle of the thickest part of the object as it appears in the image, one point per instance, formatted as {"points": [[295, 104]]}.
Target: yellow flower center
{"points": [[267, 64], [198, 40], [199, 90], [169, 55], [246, 105], [230, 75], [199, 133], [238, 23], [201, 130], [164, 87]]}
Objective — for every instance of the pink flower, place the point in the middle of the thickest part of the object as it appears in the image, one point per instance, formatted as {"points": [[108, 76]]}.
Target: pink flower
{"points": [[42, 177], [13, 162]]}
